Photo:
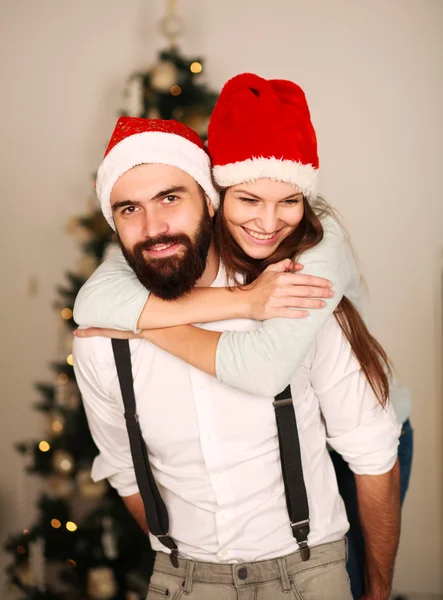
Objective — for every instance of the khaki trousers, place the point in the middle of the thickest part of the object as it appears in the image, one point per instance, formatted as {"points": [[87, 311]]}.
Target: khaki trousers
{"points": [[322, 577]]}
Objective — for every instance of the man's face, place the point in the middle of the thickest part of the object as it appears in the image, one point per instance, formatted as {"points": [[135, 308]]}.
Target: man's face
{"points": [[164, 224]]}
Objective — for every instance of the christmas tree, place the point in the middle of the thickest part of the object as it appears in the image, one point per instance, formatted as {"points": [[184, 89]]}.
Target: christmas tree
{"points": [[84, 544]]}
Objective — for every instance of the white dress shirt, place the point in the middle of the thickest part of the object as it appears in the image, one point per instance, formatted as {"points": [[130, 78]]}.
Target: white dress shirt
{"points": [[214, 449]]}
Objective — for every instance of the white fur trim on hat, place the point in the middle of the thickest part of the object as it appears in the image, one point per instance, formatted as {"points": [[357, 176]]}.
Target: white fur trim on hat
{"points": [[153, 147], [305, 177]]}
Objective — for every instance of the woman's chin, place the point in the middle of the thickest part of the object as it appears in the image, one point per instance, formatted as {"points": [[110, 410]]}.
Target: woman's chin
{"points": [[258, 252]]}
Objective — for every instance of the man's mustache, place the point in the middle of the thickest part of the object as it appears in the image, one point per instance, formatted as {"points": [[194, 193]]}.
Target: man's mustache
{"points": [[162, 239]]}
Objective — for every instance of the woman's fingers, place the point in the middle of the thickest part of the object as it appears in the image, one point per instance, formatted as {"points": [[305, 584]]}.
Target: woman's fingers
{"points": [[101, 332], [303, 291], [307, 280]]}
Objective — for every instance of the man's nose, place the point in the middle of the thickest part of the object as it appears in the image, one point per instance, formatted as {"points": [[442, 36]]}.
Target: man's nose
{"points": [[154, 224]]}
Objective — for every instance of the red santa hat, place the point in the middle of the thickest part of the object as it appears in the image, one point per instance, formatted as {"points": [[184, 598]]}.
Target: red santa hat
{"points": [[262, 129], [138, 141]]}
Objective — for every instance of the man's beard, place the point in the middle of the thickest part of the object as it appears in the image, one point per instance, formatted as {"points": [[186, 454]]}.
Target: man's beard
{"points": [[174, 276]]}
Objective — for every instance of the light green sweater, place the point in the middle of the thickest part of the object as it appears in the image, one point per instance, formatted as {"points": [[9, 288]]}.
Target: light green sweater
{"points": [[261, 361]]}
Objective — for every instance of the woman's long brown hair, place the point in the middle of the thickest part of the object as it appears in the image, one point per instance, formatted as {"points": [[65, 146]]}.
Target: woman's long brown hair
{"points": [[369, 353]]}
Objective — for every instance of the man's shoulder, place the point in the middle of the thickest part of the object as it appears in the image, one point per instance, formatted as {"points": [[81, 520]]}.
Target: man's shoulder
{"points": [[98, 350], [93, 349]]}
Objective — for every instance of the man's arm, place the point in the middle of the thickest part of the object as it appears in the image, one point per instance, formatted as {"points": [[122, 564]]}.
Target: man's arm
{"points": [[366, 435], [95, 371], [135, 506], [379, 510]]}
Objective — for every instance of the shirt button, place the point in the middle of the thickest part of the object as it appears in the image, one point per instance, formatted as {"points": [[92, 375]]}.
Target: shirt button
{"points": [[208, 437], [224, 552]]}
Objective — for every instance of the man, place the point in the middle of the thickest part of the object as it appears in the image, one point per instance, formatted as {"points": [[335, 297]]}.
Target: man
{"points": [[213, 449]]}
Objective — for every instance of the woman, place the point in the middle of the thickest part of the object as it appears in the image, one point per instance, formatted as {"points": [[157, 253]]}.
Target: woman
{"points": [[269, 212]]}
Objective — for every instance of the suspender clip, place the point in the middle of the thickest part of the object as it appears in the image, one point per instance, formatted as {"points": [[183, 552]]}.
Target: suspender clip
{"points": [[167, 541], [300, 531], [282, 402]]}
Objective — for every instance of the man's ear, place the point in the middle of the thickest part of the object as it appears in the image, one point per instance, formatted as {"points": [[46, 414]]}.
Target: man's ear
{"points": [[211, 209]]}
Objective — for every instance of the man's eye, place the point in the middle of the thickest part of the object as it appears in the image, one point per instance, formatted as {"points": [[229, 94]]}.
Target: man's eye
{"points": [[169, 199], [129, 210]]}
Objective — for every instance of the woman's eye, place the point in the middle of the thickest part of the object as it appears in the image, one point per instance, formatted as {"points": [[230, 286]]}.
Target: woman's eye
{"points": [[249, 200], [292, 201]]}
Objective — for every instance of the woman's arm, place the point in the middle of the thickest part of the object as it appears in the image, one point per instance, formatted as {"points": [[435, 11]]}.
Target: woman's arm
{"points": [[114, 298], [263, 361]]}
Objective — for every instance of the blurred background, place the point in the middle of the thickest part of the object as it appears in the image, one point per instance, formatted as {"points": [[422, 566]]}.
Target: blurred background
{"points": [[373, 76]]}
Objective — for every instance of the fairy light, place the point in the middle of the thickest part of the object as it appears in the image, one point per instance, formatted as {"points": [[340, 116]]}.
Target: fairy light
{"points": [[175, 90], [71, 563], [196, 67], [71, 526], [44, 446], [66, 314], [56, 523], [21, 549], [63, 379], [25, 531], [70, 360]]}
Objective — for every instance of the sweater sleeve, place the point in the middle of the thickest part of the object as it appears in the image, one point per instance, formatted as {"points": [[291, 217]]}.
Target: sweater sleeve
{"points": [[265, 360], [112, 297]]}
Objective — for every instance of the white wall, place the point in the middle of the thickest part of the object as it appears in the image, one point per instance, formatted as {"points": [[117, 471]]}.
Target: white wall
{"points": [[372, 74]]}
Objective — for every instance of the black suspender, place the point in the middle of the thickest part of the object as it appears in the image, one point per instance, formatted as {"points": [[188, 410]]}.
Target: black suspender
{"points": [[292, 470], [155, 509]]}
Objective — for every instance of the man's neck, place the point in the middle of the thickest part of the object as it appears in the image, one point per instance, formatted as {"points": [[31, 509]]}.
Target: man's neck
{"points": [[212, 266]]}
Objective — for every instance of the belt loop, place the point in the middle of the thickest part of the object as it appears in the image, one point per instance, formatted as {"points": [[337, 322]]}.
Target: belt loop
{"points": [[286, 584], [187, 586]]}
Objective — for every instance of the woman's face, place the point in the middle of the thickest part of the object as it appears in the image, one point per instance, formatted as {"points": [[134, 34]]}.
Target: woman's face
{"points": [[262, 214]]}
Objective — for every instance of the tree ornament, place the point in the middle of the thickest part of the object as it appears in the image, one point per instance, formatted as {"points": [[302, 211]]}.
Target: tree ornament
{"points": [[101, 583], [163, 76], [24, 574], [60, 486], [63, 462], [171, 27], [89, 488], [109, 539], [37, 564], [133, 97]]}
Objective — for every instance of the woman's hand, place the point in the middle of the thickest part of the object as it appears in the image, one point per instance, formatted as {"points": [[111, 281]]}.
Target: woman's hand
{"points": [[281, 291]]}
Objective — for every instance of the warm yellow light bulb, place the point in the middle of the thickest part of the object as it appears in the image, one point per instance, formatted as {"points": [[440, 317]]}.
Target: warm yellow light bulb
{"points": [[56, 523], [70, 526], [66, 313], [44, 446], [175, 90], [196, 67], [70, 360]]}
